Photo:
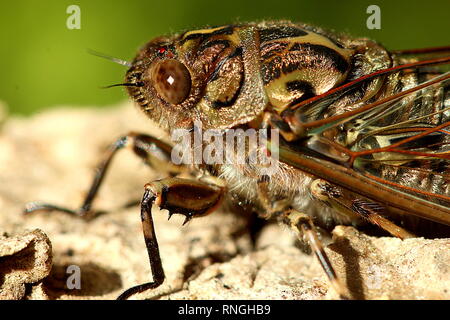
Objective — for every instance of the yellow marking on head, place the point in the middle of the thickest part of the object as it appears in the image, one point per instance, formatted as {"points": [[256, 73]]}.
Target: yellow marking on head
{"points": [[233, 38], [202, 31]]}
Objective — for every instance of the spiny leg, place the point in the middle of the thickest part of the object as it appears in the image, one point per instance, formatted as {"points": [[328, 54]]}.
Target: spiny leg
{"points": [[153, 151], [179, 196], [303, 225], [152, 247], [351, 204]]}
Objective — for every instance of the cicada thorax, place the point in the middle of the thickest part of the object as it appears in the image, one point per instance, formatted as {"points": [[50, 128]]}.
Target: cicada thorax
{"points": [[299, 62]]}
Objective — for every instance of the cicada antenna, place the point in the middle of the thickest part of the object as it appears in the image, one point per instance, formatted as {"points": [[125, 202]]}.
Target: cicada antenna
{"points": [[110, 58], [127, 84], [118, 61]]}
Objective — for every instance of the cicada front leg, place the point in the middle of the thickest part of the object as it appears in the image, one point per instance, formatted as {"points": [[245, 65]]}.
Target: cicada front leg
{"points": [[153, 151], [187, 197], [179, 196], [351, 204]]}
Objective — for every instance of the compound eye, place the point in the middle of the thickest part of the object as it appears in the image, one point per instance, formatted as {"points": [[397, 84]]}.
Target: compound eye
{"points": [[172, 81]]}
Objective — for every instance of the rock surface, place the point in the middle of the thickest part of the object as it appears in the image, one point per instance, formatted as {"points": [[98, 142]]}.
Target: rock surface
{"points": [[51, 157], [24, 259]]}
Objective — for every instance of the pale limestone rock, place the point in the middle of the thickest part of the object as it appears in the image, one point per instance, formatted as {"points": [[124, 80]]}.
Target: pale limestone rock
{"points": [[51, 157], [25, 259]]}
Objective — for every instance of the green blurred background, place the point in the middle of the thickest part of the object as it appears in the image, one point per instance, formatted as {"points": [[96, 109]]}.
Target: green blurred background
{"points": [[44, 64]]}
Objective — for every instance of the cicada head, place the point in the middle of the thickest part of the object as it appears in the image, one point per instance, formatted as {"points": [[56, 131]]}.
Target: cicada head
{"points": [[209, 76]]}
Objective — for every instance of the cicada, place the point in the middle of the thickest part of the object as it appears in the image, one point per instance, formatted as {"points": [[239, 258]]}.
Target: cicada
{"points": [[363, 133]]}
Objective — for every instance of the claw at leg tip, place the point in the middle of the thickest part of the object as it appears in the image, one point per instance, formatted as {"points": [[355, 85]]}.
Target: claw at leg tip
{"points": [[186, 220]]}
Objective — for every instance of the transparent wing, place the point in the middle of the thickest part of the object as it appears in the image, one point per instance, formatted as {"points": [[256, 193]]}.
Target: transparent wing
{"points": [[399, 142]]}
